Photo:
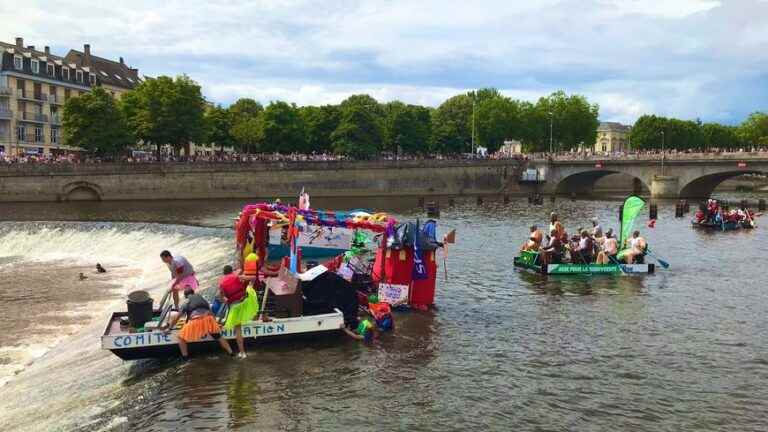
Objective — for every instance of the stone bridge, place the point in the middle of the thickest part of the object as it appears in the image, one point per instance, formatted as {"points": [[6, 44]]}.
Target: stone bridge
{"points": [[680, 177]]}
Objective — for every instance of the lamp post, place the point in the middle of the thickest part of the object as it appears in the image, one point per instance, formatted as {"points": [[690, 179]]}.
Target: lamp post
{"points": [[473, 126], [662, 152], [551, 128]]}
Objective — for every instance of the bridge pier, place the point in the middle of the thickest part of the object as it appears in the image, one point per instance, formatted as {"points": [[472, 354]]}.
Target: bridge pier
{"points": [[665, 187]]}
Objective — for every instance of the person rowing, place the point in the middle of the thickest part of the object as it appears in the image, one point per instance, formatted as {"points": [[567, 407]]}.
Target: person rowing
{"points": [[637, 248], [553, 252], [585, 249], [555, 224], [534, 240], [609, 250]]}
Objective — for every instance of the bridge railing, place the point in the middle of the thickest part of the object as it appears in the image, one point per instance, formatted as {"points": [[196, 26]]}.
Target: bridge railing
{"points": [[651, 156]]}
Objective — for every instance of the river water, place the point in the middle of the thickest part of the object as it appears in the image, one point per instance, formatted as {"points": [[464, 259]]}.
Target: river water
{"points": [[683, 349]]}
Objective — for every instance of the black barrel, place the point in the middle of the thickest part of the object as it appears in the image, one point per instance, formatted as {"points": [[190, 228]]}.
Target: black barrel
{"points": [[761, 205], [139, 308], [433, 209], [653, 211]]}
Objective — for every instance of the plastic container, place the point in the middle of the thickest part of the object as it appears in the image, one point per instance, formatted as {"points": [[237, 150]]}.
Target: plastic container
{"points": [[139, 308]]}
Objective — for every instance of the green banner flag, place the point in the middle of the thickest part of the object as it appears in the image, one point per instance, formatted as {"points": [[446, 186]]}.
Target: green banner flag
{"points": [[629, 211]]}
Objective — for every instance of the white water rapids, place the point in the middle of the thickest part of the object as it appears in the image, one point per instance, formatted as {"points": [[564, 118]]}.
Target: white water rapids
{"points": [[53, 320]]}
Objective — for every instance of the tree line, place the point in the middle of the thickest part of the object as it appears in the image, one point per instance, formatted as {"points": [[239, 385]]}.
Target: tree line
{"points": [[172, 111], [653, 132]]}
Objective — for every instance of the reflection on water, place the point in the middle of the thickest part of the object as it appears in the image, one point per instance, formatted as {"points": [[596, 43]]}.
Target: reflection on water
{"points": [[683, 349]]}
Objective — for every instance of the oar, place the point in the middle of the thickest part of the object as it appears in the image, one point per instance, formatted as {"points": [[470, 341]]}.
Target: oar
{"points": [[661, 261], [264, 317], [615, 261]]}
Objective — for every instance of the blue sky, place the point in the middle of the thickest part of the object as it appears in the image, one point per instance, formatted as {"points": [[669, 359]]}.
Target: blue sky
{"points": [[703, 59]]}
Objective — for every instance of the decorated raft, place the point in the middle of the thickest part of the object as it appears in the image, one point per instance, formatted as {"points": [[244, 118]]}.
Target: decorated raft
{"points": [[630, 209], [310, 285], [529, 261]]}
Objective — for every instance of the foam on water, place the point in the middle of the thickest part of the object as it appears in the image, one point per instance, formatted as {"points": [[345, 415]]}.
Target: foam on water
{"points": [[61, 350]]}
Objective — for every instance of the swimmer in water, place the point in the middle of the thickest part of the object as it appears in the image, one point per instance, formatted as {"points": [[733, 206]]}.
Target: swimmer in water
{"points": [[100, 269], [83, 277]]}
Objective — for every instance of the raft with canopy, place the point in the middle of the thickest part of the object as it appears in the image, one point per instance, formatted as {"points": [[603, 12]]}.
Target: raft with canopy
{"points": [[631, 208]]}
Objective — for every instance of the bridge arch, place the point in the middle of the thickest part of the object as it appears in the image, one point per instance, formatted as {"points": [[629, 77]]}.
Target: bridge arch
{"points": [[81, 191], [583, 183], [703, 186]]}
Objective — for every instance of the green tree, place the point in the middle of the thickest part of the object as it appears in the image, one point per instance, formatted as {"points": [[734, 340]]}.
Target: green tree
{"points": [[496, 119], [164, 110], [94, 123], [282, 129], [720, 136], [647, 132], [754, 130], [452, 125], [319, 124], [360, 131], [217, 127], [407, 128], [571, 120], [244, 124]]}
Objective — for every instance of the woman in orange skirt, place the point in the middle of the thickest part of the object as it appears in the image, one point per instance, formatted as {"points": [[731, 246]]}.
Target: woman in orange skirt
{"points": [[200, 322]]}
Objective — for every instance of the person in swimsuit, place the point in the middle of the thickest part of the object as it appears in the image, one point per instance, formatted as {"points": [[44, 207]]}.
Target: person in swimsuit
{"points": [[637, 247]]}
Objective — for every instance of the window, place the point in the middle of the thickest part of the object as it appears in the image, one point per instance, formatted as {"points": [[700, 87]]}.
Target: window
{"points": [[35, 66], [18, 62], [104, 73], [65, 73], [79, 75], [49, 69], [129, 80], [38, 134], [21, 133], [54, 136], [92, 79]]}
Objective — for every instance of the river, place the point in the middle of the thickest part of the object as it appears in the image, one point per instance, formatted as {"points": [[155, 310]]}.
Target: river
{"points": [[682, 349]]}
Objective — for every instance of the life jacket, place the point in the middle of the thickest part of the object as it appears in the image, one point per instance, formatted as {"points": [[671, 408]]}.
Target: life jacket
{"points": [[379, 310], [251, 265], [232, 287]]}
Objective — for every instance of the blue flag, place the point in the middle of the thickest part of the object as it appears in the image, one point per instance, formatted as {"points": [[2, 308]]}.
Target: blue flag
{"points": [[419, 269]]}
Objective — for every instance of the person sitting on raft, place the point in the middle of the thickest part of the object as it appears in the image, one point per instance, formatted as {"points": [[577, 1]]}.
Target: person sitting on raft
{"points": [[554, 224], [534, 240], [584, 252], [637, 248], [553, 252], [200, 322], [609, 250], [182, 275], [237, 291]]}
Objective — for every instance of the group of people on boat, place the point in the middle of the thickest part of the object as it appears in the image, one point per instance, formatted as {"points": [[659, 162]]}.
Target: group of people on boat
{"points": [[235, 289], [713, 214], [587, 246]]}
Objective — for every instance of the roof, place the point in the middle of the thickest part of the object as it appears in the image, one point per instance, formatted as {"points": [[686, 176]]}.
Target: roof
{"points": [[108, 72], [35, 53], [612, 127]]}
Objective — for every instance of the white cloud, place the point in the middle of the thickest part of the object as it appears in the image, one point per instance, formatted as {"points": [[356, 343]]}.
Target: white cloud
{"points": [[677, 57]]}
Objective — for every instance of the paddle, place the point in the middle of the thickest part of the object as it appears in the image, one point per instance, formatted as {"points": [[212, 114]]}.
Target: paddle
{"points": [[615, 261], [661, 261]]}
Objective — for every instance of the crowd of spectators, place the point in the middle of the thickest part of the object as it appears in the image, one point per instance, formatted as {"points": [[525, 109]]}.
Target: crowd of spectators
{"points": [[143, 157]]}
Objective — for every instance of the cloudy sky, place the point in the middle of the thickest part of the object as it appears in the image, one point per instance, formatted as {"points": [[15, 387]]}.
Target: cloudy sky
{"points": [[685, 58]]}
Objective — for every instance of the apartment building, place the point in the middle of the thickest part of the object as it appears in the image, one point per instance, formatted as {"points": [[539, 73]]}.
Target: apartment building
{"points": [[34, 85]]}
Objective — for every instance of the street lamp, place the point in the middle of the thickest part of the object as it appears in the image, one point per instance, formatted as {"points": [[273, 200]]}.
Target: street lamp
{"points": [[551, 126], [662, 152], [473, 125]]}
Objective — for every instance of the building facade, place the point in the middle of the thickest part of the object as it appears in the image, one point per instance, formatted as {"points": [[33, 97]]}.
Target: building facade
{"points": [[612, 137], [34, 85]]}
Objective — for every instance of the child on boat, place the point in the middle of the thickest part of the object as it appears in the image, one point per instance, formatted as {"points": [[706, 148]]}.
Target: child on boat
{"points": [[200, 322]]}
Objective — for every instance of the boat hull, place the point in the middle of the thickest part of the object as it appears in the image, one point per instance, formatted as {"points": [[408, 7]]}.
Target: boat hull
{"points": [[583, 269], [158, 344], [728, 226]]}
